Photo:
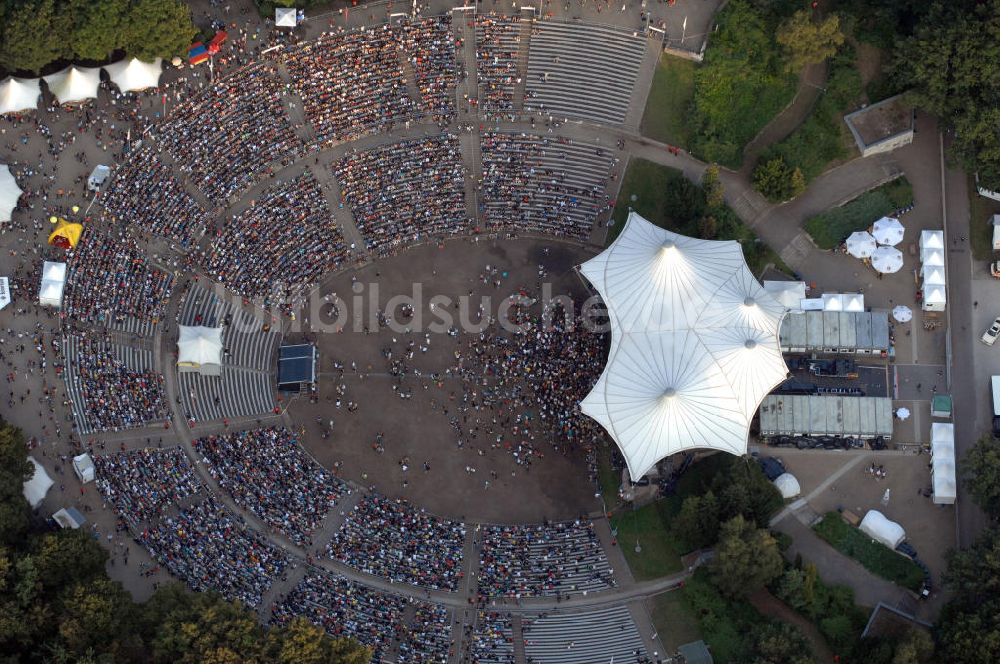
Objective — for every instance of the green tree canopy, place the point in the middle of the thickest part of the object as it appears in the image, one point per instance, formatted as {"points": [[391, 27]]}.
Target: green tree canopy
{"points": [[746, 558], [950, 62], [981, 468], [158, 29], [98, 27], [968, 630], [30, 37], [808, 41], [778, 643]]}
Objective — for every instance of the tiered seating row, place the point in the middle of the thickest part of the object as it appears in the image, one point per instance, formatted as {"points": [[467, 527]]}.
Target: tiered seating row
{"points": [[497, 47], [236, 393], [534, 184], [583, 71], [111, 387], [583, 638], [492, 639]]}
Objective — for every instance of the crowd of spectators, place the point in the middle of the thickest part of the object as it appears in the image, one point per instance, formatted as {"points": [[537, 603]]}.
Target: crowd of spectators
{"points": [[430, 47], [539, 560], [530, 383], [405, 192], [351, 83], [286, 240], [144, 192], [113, 394], [344, 609], [109, 280], [491, 640], [229, 135], [267, 472], [427, 639], [142, 483], [497, 46], [391, 539], [211, 549], [537, 184]]}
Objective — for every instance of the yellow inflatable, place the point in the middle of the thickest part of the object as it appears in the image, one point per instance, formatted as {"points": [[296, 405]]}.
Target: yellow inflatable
{"points": [[66, 234]]}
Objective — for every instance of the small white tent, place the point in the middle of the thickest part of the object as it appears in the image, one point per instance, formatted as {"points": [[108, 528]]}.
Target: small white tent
{"points": [[69, 517], [39, 484], [931, 240], [284, 17], [788, 293], [74, 84], [50, 292], [19, 94], [935, 298], [787, 485], [933, 275], [943, 462], [135, 74], [200, 349], [83, 466], [9, 193], [879, 528], [932, 257]]}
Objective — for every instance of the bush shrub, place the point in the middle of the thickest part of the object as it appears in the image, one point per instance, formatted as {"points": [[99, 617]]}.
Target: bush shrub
{"points": [[832, 227], [876, 557]]}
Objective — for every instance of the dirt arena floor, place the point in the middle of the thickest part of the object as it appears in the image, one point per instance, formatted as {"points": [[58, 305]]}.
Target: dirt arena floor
{"points": [[415, 429]]}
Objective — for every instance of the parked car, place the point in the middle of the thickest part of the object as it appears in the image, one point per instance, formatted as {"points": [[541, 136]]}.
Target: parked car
{"points": [[990, 335]]}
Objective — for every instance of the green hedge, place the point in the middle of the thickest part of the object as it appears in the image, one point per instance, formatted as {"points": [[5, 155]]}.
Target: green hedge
{"points": [[832, 227], [876, 557]]}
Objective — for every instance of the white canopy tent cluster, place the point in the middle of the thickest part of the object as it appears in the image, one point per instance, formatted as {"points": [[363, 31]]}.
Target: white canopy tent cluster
{"points": [[932, 271], [10, 193], [74, 85], [879, 245], [694, 344]]}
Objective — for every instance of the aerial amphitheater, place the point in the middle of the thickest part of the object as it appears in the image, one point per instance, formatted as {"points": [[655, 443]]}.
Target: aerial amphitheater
{"points": [[343, 316]]}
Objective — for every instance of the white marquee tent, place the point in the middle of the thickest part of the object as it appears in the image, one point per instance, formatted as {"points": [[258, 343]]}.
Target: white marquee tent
{"points": [[887, 260], [83, 466], [9, 193], [933, 275], [789, 293], [888, 231], [35, 489], [931, 240], [74, 84], [285, 17], [694, 344], [200, 349], [19, 94], [787, 485], [943, 462], [50, 292], [932, 257], [879, 528], [861, 244], [935, 298], [135, 74]]}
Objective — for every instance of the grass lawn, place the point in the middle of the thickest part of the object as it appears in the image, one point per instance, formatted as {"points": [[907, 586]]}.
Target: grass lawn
{"points": [[674, 620], [652, 184], [832, 227], [980, 231], [876, 557], [668, 108], [661, 547]]}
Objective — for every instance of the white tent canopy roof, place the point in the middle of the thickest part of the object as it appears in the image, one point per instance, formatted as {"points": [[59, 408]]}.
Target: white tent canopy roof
{"points": [[284, 17], [933, 275], [932, 257], [200, 348], [787, 485], [943, 462], [878, 527], [53, 282], [887, 260], [788, 293], [888, 230], [19, 94], [74, 84], [935, 295], [694, 344], [83, 466], [9, 193], [135, 74], [932, 239], [35, 489], [861, 244]]}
